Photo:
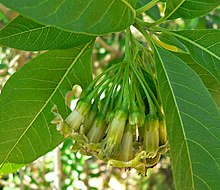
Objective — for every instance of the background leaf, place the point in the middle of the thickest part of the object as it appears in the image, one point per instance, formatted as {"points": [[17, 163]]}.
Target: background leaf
{"points": [[23, 33], [28, 96], [192, 123], [95, 17], [189, 8]]}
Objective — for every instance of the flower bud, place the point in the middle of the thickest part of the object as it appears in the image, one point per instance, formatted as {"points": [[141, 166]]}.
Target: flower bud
{"points": [[162, 132], [111, 143], [97, 130], [126, 150], [151, 135], [74, 120], [89, 119]]}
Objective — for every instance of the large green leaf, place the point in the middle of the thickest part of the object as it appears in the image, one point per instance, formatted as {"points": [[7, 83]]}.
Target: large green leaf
{"points": [[208, 79], [193, 124], [204, 47], [23, 33], [28, 96], [96, 17], [189, 8], [205, 68]]}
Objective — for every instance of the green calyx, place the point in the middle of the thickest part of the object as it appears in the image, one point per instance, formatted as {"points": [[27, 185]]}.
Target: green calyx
{"points": [[136, 118], [83, 107]]}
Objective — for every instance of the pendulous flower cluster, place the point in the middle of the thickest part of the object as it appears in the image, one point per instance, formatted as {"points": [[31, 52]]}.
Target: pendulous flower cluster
{"points": [[119, 118]]}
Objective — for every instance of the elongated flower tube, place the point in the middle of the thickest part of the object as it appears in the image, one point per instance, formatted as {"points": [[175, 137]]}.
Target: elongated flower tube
{"points": [[162, 132], [110, 115], [97, 130], [89, 118], [111, 144], [74, 120], [151, 135], [126, 149]]}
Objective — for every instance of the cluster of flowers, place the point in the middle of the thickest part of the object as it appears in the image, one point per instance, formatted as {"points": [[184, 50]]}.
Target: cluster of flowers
{"points": [[117, 121]]}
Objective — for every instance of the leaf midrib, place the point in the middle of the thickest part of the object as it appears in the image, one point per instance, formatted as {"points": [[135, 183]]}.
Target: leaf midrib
{"points": [[194, 43], [197, 45], [179, 115], [48, 100]]}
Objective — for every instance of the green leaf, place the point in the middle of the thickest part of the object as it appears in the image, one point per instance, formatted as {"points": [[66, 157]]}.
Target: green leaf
{"points": [[209, 81], [200, 42], [189, 8], [154, 12], [27, 99], [95, 17], [204, 47], [23, 33], [192, 124], [10, 168]]}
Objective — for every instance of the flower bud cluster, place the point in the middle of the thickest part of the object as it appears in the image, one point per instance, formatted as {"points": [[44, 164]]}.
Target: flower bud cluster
{"points": [[113, 120]]}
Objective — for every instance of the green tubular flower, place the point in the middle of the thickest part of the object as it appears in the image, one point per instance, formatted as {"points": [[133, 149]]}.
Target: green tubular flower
{"points": [[88, 121], [126, 151], [137, 108], [97, 130], [162, 132], [89, 118], [111, 143], [110, 115], [74, 120], [151, 135]]}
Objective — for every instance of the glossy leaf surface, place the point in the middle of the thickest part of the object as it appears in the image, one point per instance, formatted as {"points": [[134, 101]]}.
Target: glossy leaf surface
{"points": [[189, 8], [23, 33], [95, 17], [211, 83], [204, 46], [27, 98], [192, 123]]}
